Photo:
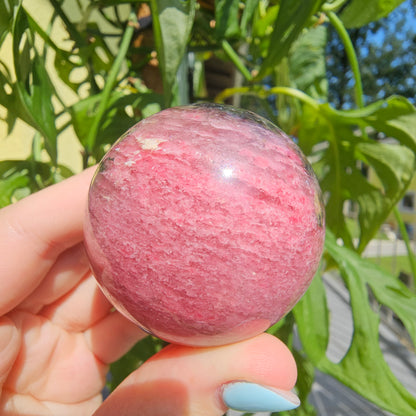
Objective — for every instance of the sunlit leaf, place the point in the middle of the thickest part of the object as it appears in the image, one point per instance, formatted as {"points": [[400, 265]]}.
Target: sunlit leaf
{"points": [[63, 61], [33, 88], [9, 186], [327, 144], [307, 62], [363, 367], [226, 18], [7, 11], [356, 170], [116, 120], [261, 30], [395, 117], [291, 20], [359, 13], [248, 12], [9, 98], [304, 384], [172, 24], [18, 178], [108, 3], [313, 308], [387, 289], [394, 167]]}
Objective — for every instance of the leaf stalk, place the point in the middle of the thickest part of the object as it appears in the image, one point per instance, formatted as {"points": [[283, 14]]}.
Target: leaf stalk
{"points": [[351, 55], [111, 80], [262, 92], [236, 60]]}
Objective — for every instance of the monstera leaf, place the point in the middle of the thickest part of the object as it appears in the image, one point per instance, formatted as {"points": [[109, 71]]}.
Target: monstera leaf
{"points": [[359, 13], [363, 367], [368, 174]]}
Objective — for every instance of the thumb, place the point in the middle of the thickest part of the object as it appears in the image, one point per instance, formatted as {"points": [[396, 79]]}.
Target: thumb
{"points": [[252, 375]]}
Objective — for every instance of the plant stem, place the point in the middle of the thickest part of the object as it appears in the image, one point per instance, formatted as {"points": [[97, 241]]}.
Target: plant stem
{"points": [[111, 80], [293, 92], [335, 5], [351, 55], [406, 240], [228, 49], [262, 92]]}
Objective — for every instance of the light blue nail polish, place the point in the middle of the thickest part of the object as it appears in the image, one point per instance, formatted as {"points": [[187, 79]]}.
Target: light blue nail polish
{"points": [[251, 397]]}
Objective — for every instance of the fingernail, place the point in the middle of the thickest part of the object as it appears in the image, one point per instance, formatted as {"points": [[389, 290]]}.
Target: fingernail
{"points": [[251, 397]]}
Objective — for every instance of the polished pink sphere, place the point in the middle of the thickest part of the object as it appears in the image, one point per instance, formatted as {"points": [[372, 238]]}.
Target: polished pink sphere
{"points": [[205, 224]]}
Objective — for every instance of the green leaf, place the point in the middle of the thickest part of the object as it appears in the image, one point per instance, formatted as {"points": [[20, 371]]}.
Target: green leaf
{"points": [[394, 166], [6, 17], [33, 88], [339, 149], [330, 145], [97, 51], [10, 185], [395, 117], [64, 68], [262, 26], [304, 384], [108, 3], [292, 18], [172, 24], [8, 97], [248, 12], [83, 112], [116, 120], [226, 18], [18, 178], [64, 60], [307, 62], [363, 367], [264, 21], [288, 108], [312, 313], [359, 13], [387, 289]]}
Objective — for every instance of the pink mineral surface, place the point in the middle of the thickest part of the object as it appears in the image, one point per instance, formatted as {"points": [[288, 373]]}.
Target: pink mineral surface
{"points": [[204, 224]]}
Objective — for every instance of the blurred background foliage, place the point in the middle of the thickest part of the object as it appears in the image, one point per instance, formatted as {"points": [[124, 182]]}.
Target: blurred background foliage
{"points": [[328, 72]]}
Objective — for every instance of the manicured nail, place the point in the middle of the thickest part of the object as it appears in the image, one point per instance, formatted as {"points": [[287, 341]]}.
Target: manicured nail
{"points": [[251, 397]]}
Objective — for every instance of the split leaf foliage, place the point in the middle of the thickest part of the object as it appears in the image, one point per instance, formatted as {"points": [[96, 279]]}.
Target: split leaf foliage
{"points": [[364, 157]]}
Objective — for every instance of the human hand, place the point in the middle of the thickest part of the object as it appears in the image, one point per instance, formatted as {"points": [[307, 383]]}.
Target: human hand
{"points": [[58, 333]]}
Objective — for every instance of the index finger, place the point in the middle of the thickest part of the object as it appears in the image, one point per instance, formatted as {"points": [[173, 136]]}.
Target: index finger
{"points": [[34, 231]]}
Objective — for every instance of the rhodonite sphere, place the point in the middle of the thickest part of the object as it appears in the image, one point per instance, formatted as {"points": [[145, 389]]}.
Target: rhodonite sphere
{"points": [[205, 224]]}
